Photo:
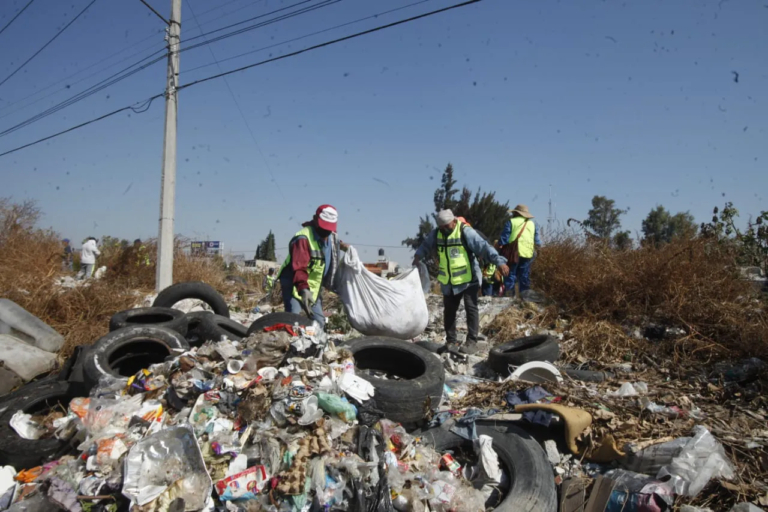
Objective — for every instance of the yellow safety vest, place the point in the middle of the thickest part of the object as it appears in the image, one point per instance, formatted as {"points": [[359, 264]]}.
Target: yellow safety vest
{"points": [[142, 258], [316, 263], [525, 244], [489, 272], [455, 265]]}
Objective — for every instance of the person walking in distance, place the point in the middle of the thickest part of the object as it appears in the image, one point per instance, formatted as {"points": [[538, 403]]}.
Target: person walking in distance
{"points": [[458, 248], [518, 243], [311, 264], [66, 256], [88, 258]]}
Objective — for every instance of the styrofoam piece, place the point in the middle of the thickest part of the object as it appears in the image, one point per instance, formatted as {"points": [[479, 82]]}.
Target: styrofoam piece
{"points": [[19, 322], [537, 372], [27, 361]]}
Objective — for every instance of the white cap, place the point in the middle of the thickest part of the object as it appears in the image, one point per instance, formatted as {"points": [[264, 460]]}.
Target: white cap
{"points": [[445, 217]]}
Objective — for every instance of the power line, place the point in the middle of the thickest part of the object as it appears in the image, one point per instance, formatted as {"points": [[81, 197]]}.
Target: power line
{"points": [[226, 14], [156, 13], [322, 45], [242, 114], [138, 110], [373, 16], [17, 15], [206, 34], [283, 17], [49, 42], [68, 86], [113, 79], [329, 43]]}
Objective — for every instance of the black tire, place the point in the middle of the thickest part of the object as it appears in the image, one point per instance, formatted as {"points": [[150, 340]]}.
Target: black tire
{"points": [[125, 351], [32, 399], [531, 481], [523, 350], [192, 290], [213, 327], [404, 401], [278, 318], [159, 317], [195, 336]]}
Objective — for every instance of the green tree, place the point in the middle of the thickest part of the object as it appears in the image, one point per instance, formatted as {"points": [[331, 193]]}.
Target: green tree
{"points": [[661, 227], [603, 218], [751, 245], [622, 241], [266, 249], [481, 210]]}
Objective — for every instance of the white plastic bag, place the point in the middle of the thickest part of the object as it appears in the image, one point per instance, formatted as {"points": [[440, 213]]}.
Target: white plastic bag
{"points": [[380, 307], [702, 459]]}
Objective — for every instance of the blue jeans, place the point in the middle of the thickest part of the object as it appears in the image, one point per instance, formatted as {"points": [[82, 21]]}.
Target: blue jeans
{"points": [[491, 289], [294, 306], [521, 272]]}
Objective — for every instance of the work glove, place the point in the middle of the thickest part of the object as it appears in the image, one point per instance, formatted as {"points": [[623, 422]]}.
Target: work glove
{"points": [[306, 301]]}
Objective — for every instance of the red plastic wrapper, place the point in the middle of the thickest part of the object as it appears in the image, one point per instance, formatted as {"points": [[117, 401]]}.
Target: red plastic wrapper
{"points": [[449, 463]]}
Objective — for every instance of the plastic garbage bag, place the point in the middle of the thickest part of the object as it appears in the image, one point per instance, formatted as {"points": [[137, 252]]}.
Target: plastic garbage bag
{"points": [[745, 507], [381, 307], [702, 459], [171, 456]]}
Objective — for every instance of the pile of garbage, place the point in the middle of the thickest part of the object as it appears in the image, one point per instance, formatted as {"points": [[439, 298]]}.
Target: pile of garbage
{"points": [[183, 408], [175, 411]]}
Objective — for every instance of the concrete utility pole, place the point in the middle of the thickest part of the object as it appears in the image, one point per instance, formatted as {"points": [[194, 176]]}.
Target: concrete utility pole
{"points": [[164, 277]]}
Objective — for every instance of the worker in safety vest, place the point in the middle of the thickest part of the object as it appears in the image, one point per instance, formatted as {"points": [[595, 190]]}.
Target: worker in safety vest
{"points": [[311, 260], [522, 229], [491, 284], [458, 248], [140, 254], [269, 280]]}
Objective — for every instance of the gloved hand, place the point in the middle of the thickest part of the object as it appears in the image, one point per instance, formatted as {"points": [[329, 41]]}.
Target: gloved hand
{"points": [[306, 301]]}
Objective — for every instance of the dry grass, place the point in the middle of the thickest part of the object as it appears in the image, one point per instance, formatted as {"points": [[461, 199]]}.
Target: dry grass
{"points": [[690, 284], [30, 263]]}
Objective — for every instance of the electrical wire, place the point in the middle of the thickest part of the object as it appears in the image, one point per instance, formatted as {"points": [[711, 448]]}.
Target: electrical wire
{"points": [[155, 12], [49, 42], [322, 45], [113, 79], [373, 16], [70, 85], [17, 15], [324, 3], [329, 43], [242, 114], [81, 125], [206, 34]]}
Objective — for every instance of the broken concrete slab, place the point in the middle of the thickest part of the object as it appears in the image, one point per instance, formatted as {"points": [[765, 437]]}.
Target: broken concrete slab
{"points": [[17, 321], [23, 359]]}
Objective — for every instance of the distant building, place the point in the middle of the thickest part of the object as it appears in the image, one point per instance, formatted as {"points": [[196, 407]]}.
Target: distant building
{"points": [[383, 267]]}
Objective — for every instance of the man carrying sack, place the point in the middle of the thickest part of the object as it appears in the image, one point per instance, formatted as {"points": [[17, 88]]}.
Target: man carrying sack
{"points": [[517, 243]]}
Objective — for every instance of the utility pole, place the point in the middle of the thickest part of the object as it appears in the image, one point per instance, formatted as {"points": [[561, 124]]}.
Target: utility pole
{"points": [[165, 245]]}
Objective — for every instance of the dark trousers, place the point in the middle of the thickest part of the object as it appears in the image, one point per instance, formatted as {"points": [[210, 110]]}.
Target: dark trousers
{"points": [[451, 305], [491, 289]]}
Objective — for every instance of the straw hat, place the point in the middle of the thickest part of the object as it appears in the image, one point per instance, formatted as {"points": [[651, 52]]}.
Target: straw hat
{"points": [[522, 210]]}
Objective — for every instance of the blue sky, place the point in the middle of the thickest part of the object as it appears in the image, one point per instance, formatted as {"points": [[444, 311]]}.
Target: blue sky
{"points": [[636, 100]]}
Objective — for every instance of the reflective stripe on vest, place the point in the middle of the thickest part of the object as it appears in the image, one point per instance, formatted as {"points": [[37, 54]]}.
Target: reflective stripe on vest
{"points": [[316, 267], [455, 265], [489, 272], [525, 244]]}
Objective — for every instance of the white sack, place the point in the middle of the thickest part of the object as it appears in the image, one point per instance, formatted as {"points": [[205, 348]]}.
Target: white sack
{"points": [[380, 307]]}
